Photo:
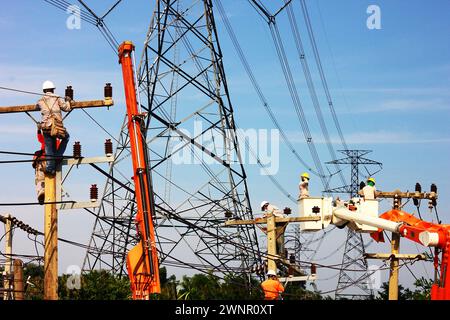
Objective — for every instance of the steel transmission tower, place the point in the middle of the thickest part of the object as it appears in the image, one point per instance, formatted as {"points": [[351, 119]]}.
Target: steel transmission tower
{"points": [[197, 173], [353, 284]]}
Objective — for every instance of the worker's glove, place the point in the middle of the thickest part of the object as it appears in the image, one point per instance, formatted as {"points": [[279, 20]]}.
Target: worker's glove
{"points": [[68, 99]]}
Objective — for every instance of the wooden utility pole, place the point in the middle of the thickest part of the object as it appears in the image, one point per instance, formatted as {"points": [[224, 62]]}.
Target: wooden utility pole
{"points": [[273, 232], [271, 243], [395, 248], [18, 280], [51, 240], [8, 265], [395, 256], [108, 102], [393, 275]]}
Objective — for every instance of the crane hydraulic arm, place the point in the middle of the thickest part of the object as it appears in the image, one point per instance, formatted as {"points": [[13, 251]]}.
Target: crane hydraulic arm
{"points": [[142, 260], [430, 235], [361, 215]]}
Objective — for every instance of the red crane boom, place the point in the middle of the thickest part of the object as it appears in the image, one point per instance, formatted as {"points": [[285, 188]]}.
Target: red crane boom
{"points": [[427, 234], [142, 260]]}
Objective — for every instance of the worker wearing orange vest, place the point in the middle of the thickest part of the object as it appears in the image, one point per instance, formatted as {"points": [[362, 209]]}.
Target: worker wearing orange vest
{"points": [[272, 287]]}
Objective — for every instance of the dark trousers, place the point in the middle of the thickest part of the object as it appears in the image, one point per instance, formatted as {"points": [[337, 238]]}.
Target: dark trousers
{"points": [[52, 153]]}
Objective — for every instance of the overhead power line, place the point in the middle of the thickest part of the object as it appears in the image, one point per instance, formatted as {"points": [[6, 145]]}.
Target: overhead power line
{"points": [[258, 89], [322, 73], [311, 87]]}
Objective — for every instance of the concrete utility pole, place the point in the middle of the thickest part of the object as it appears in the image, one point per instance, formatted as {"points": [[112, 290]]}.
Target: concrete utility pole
{"points": [[18, 280], [273, 232], [8, 264], [395, 256], [50, 207]]}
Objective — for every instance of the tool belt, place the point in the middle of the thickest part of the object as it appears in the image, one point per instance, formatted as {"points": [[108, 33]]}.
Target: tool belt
{"points": [[56, 128]]}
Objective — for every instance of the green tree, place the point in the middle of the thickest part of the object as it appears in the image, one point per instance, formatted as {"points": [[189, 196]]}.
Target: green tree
{"points": [[33, 276], [96, 285], [422, 291], [240, 287], [200, 287], [297, 291], [168, 285]]}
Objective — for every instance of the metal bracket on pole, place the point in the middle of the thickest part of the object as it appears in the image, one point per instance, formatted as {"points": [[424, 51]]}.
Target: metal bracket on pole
{"points": [[59, 180]]}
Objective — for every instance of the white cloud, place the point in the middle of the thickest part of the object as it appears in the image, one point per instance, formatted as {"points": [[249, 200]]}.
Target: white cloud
{"points": [[389, 137], [401, 105], [377, 137], [431, 91]]}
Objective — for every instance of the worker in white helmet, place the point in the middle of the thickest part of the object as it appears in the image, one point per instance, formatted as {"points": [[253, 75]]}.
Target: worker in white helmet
{"points": [[52, 125], [369, 190], [267, 208], [272, 287], [303, 186]]}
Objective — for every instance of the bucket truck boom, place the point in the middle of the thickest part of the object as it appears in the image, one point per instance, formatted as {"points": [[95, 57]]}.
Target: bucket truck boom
{"points": [[142, 260]]}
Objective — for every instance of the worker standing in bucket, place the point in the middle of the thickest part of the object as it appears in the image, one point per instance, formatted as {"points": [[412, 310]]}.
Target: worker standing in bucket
{"points": [[52, 125], [369, 190], [303, 186], [272, 287]]}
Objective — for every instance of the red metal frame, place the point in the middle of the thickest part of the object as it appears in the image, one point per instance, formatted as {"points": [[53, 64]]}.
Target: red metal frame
{"points": [[142, 260], [411, 229]]}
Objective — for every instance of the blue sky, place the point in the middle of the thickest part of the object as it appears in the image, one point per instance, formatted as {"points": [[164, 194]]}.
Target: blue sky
{"points": [[390, 88]]}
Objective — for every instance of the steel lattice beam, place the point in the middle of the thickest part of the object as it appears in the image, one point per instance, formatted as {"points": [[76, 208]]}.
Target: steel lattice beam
{"points": [[182, 85]]}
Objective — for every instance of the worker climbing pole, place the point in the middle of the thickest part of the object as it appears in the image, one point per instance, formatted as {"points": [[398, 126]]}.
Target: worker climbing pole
{"points": [[49, 105], [142, 260]]}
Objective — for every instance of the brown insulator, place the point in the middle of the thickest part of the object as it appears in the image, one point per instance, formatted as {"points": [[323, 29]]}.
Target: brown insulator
{"points": [[292, 258], [77, 150], [108, 148], [94, 193], [313, 268], [69, 92], [108, 90]]}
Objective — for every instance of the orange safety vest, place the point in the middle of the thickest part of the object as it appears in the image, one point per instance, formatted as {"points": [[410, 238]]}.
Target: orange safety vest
{"points": [[272, 289]]}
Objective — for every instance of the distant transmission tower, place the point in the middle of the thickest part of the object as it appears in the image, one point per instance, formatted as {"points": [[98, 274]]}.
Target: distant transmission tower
{"points": [[197, 173], [353, 284]]}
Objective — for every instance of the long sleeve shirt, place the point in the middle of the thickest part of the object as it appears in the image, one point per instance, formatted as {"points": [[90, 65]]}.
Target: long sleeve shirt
{"points": [[50, 104], [369, 192]]}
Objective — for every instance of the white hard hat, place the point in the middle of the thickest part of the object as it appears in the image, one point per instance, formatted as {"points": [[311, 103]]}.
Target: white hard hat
{"points": [[271, 273], [264, 203], [48, 85]]}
